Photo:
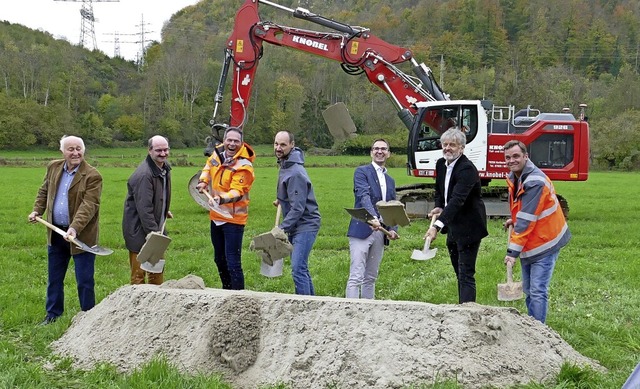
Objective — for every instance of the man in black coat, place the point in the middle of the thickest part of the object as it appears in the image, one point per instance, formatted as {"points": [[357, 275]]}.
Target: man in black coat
{"points": [[460, 211]]}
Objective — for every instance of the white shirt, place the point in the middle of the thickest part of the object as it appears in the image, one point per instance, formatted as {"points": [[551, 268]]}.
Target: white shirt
{"points": [[380, 171], [447, 179]]}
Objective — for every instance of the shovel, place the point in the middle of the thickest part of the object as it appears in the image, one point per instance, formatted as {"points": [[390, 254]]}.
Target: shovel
{"points": [[270, 245], [82, 246], [426, 252], [511, 290], [152, 252], [363, 215], [216, 206], [275, 269]]}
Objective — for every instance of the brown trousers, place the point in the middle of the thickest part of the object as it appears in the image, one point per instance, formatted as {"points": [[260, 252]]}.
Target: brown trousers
{"points": [[137, 274]]}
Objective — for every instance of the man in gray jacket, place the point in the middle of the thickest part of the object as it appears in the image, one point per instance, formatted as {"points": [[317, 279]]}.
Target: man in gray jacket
{"points": [[301, 219], [147, 205]]}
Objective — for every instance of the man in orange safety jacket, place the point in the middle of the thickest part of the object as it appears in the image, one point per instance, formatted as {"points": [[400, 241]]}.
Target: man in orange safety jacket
{"points": [[228, 176], [539, 227]]}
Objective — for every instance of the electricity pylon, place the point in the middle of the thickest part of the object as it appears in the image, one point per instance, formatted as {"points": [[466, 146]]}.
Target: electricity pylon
{"points": [[87, 30]]}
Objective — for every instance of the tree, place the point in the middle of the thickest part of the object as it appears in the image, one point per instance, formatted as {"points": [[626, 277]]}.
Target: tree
{"points": [[129, 127], [616, 141], [314, 130]]}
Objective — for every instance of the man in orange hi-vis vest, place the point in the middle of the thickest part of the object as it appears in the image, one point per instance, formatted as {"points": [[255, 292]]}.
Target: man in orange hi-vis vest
{"points": [[228, 176], [539, 227]]}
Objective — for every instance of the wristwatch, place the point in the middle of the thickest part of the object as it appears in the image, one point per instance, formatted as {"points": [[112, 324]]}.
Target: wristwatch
{"points": [[437, 227]]}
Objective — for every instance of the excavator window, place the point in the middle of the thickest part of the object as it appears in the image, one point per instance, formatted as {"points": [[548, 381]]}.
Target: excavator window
{"points": [[552, 151], [439, 119]]}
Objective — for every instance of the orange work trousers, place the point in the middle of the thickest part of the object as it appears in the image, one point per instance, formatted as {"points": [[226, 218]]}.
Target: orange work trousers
{"points": [[138, 275]]}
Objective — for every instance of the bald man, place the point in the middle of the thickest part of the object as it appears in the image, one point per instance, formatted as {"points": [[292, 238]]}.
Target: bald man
{"points": [[147, 206]]}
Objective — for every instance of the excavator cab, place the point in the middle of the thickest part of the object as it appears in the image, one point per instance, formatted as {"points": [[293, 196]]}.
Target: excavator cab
{"points": [[433, 119]]}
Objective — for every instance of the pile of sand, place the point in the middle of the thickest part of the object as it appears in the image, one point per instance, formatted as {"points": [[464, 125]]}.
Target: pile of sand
{"points": [[314, 342]]}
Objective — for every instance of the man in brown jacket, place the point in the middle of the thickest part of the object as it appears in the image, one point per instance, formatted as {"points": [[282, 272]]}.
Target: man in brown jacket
{"points": [[147, 205], [70, 195]]}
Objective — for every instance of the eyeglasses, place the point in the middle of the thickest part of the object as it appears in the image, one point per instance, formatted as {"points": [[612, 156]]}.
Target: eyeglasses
{"points": [[379, 148], [161, 150]]}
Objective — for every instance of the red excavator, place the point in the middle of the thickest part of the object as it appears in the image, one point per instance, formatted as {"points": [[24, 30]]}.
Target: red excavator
{"points": [[558, 143]]}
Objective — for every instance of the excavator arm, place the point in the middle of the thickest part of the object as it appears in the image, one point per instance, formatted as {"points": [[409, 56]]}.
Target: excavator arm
{"points": [[357, 50], [559, 142]]}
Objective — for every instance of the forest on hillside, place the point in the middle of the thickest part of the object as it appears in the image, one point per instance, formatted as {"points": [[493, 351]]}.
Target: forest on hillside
{"points": [[544, 53]]}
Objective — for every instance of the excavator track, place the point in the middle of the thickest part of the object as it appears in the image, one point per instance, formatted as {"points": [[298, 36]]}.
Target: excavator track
{"points": [[418, 200]]}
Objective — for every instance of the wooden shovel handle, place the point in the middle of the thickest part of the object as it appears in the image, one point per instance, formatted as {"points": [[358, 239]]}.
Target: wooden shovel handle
{"points": [[509, 273], [206, 192], [427, 241], [278, 213], [384, 231], [433, 220], [56, 229], [509, 265]]}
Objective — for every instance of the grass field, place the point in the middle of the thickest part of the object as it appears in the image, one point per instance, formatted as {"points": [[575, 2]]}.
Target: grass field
{"points": [[594, 292]]}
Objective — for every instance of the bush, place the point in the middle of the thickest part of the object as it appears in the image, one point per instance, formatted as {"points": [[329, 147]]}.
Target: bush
{"points": [[361, 144]]}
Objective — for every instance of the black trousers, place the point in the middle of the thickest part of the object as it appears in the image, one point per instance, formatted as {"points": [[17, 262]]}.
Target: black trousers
{"points": [[463, 259]]}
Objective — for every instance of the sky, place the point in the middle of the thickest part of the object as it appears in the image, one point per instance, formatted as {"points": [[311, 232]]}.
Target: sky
{"points": [[125, 18]]}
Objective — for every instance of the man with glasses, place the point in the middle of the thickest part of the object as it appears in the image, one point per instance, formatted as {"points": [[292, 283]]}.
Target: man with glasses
{"points": [[460, 211], [147, 205], [371, 184]]}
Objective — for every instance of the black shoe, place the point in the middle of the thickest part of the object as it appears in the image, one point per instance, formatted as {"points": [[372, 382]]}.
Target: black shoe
{"points": [[48, 320]]}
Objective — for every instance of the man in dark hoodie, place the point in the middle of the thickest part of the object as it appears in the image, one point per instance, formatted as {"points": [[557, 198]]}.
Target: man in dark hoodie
{"points": [[147, 205], [301, 220]]}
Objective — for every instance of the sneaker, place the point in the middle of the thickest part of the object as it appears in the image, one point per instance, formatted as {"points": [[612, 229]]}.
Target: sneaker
{"points": [[48, 320]]}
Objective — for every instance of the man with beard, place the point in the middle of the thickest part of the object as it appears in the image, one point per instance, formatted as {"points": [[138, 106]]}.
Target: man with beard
{"points": [[301, 220], [460, 211]]}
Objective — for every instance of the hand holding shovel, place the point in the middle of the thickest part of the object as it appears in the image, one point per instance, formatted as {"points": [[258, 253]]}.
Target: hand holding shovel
{"points": [[82, 246], [151, 255], [275, 268], [215, 205], [363, 215], [272, 246], [511, 290], [426, 252]]}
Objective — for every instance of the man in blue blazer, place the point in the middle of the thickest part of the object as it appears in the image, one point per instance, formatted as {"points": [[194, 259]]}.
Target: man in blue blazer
{"points": [[371, 184], [460, 210]]}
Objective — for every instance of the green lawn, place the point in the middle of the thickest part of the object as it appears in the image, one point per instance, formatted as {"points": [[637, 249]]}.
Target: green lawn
{"points": [[594, 292]]}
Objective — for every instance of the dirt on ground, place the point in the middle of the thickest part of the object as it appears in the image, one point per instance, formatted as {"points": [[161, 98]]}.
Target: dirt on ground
{"points": [[256, 338]]}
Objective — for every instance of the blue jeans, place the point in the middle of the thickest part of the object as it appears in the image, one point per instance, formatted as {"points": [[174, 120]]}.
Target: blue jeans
{"points": [[58, 262], [227, 247], [302, 243], [536, 278]]}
